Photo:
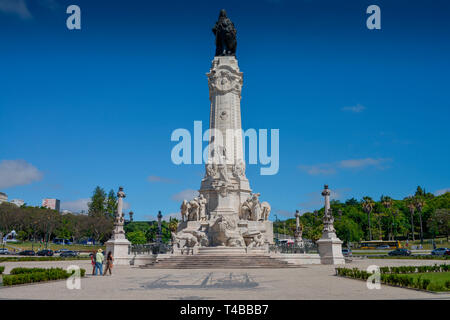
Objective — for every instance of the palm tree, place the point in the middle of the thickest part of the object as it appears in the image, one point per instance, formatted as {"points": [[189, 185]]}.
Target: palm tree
{"points": [[419, 203], [387, 202], [368, 204], [411, 206]]}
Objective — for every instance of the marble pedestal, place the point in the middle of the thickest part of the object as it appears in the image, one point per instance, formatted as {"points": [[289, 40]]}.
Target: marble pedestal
{"points": [[330, 251], [120, 251]]}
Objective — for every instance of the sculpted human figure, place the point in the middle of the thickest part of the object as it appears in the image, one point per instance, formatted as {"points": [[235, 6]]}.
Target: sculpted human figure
{"points": [[194, 210], [225, 35], [184, 210], [256, 207], [202, 207]]}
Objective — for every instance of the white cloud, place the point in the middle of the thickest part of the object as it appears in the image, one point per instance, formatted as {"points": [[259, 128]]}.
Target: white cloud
{"points": [[17, 173], [441, 191], [332, 168], [187, 194], [362, 163], [356, 109], [159, 179], [15, 7], [316, 169], [76, 205]]}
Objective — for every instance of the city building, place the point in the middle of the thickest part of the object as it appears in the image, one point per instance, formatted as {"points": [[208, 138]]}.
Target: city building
{"points": [[18, 202], [51, 204], [3, 197]]}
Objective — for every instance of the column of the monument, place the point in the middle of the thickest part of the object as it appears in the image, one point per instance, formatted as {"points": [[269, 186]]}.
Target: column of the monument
{"points": [[118, 245], [220, 186], [330, 246]]}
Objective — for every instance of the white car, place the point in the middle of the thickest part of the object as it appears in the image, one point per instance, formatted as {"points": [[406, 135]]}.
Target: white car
{"points": [[4, 251]]}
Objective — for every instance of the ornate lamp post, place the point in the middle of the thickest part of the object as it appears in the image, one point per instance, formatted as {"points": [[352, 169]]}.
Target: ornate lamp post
{"points": [[131, 215]]}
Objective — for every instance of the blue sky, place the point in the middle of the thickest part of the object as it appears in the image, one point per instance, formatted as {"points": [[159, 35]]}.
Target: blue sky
{"points": [[365, 111]]}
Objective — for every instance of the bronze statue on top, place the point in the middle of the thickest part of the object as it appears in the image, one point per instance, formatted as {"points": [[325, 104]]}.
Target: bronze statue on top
{"points": [[225, 35]]}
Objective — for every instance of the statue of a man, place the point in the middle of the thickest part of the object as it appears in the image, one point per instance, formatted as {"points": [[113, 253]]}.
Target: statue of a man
{"points": [[202, 202], [225, 35]]}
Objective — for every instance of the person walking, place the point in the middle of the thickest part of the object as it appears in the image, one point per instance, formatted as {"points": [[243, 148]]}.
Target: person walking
{"points": [[109, 263], [93, 261], [99, 261]]}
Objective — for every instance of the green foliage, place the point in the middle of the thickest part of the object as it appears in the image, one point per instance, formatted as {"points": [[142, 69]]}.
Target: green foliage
{"points": [[97, 204], [2, 268], [405, 276], [111, 204], [389, 219], [30, 275], [137, 237]]}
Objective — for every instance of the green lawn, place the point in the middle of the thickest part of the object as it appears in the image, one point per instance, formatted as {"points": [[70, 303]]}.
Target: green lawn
{"points": [[438, 280]]}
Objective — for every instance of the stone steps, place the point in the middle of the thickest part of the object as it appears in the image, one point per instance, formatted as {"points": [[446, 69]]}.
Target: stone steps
{"points": [[218, 262]]}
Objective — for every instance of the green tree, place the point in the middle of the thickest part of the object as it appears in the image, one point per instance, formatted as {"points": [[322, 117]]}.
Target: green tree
{"points": [[137, 237], [96, 207], [368, 204], [419, 203], [111, 204], [409, 201]]}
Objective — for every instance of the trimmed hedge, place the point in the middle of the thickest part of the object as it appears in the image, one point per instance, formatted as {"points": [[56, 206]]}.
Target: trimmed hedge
{"points": [[15, 259], [398, 276], [31, 275], [2, 268]]}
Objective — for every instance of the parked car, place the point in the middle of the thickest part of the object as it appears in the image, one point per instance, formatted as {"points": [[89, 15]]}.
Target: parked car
{"points": [[5, 251], [27, 253], [68, 253], [400, 252], [439, 251], [347, 252], [383, 247], [45, 252], [62, 250]]}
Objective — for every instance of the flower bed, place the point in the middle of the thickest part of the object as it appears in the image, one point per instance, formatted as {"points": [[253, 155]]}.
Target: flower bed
{"points": [[432, 278], [31, 275]]}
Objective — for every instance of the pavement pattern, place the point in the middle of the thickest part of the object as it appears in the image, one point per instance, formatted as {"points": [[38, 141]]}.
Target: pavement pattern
{"points": [[308, 282]]}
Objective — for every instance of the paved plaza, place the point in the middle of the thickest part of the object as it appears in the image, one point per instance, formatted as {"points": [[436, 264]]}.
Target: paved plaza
{"points": [[308, 282]]}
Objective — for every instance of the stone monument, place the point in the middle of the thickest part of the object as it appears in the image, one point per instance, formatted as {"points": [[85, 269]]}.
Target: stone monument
{"points": [[298, 230], [330, 246], [118, 244], [226, 214]]}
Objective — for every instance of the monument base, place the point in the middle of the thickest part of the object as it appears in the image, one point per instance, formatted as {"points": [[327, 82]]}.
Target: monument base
{"points": [[330, 251], [120, 251]]}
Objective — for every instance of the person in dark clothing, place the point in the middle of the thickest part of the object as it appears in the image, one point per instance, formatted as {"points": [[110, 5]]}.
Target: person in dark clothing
{"points": [[109, 263]]}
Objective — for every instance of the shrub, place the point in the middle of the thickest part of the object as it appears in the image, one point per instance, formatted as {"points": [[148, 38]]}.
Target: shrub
{"points": [[2, 268], [30, 275], [434, 286]]}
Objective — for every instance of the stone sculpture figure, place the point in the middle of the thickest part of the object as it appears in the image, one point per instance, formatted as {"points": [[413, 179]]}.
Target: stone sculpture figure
{"points": [[202, 207], [225, 233], [225, 33], [265, 210], [184, 210], [194, 210]]}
